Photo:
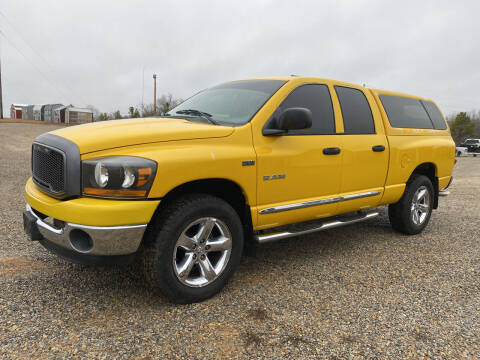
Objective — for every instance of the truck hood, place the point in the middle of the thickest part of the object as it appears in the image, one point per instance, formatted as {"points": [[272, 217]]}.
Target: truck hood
{"points": [[118, 133]]}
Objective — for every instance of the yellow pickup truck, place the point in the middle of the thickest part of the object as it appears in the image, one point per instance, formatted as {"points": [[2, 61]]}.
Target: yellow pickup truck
{"points": [[238, 164]]}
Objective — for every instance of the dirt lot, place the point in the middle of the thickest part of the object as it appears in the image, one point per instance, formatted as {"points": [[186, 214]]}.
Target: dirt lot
{"points": [[361, 291]]}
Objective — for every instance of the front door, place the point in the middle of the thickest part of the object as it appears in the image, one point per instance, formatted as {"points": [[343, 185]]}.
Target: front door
{"points": [[297, 178]]}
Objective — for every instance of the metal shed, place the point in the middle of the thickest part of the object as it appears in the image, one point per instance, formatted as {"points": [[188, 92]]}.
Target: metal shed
{"points": [[49, 111], [38, 112], [78, 115], [59, 114], [27, 112]]}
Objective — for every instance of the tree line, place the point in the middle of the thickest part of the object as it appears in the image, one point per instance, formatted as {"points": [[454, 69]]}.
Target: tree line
{"points": [[165, 103], [464, 125]]}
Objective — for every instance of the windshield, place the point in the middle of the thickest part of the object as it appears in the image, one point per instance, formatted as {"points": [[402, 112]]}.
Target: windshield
{"points": [[471, 141], [233, 103]]}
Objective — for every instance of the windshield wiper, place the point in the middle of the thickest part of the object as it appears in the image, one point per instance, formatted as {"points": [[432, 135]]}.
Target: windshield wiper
{"points": [[194, 112]]}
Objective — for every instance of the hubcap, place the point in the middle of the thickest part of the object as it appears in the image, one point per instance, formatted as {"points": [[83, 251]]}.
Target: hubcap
{"points": [[202, 252], [420, 205]]}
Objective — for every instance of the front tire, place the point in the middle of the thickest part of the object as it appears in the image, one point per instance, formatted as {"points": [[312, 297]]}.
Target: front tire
{"points": [[194, 248], [412, 213]]}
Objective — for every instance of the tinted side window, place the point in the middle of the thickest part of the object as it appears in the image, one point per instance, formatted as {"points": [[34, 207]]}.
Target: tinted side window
{"points": [[356, 112], [435, 115], [405, 112], [315, 97]]}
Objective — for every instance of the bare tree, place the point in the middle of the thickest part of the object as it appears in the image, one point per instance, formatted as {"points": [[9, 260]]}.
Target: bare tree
{"points": [[133, 112], [103, 117], [95, 111], [116, 115], [475, 118], [165, 103], [146, 110]]}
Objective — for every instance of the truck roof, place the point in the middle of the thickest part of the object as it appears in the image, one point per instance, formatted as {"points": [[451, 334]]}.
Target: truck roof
{"points": [[310, 78]]}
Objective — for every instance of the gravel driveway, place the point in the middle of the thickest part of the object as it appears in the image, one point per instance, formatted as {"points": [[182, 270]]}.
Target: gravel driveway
{"points": [[361, 291]]}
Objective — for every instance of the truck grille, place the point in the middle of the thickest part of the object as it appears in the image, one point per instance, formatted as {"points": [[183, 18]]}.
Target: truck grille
{"points": [[48, 168]]}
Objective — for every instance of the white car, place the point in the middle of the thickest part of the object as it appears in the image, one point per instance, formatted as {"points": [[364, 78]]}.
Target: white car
{"points": [[461, 151], [473, 146]]}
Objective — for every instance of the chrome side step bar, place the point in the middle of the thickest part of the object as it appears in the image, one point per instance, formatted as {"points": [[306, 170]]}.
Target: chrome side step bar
{"points": [[274, 236]]}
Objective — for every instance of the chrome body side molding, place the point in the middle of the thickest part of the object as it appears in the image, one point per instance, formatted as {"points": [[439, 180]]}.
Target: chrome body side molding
{"points": [[318, 202]]}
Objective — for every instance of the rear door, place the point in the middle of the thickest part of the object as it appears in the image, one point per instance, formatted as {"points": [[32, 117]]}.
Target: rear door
{"points": [[364, 147]]}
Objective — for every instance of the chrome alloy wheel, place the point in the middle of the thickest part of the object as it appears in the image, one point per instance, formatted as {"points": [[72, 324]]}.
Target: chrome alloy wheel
{"points": [[420, 205], [202, 252]]}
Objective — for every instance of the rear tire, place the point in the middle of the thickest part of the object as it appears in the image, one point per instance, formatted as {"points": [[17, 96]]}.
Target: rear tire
{"points": [[194, 247], [411, 214]]}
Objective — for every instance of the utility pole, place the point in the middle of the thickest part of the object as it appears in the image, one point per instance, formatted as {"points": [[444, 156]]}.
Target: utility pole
{"points": [[1, 95], [154, 94]]}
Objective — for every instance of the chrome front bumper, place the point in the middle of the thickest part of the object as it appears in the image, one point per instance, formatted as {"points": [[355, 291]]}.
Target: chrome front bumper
{"points": [[90, 240]]}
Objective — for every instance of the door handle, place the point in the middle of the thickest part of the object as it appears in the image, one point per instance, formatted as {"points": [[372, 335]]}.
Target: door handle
{"points": [[378, 148], [331, 151]]}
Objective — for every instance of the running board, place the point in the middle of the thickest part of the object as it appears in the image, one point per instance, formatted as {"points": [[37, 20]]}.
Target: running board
{"points": [[274, 236]]}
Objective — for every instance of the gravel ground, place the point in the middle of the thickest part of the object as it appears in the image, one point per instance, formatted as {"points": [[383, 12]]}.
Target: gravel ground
{"points": [[361, 291]]}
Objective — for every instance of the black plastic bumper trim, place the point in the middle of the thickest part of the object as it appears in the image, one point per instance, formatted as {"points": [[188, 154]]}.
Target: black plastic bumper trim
{"points": [[30, 226]]}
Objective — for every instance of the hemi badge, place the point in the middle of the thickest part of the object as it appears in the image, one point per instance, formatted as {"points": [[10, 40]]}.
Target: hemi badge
{"points": [[274, 177], [248, 162]]}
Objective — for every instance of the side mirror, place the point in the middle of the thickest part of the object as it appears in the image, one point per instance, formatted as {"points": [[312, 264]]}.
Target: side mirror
{"points": [[295, 118]]}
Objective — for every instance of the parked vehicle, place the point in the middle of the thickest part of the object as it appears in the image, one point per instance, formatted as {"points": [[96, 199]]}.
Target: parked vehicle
{"points": [[473, 145], [461, 151], [233, 166]]}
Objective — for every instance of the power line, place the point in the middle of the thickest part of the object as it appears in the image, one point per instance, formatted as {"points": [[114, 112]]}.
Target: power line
{"points": [[50, 68], [33, 65], [24, 40], [1, 95]]}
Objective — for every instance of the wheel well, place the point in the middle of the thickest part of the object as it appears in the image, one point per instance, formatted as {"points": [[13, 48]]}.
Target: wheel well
{"points": [[227, 190], [429, 170]]}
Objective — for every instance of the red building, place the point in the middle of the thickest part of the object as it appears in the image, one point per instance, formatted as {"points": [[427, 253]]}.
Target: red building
{"points": [[16, 111]]}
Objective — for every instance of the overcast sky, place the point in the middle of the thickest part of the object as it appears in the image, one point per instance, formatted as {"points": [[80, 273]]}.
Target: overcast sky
{"points": [[96, 52]]}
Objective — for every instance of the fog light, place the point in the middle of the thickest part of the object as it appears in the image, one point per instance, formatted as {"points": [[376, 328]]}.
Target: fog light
{"points": [[80, 241]]}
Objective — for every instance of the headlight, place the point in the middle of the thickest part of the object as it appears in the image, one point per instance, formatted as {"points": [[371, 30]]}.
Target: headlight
{"points": [[118, 177], [101, 175]]}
